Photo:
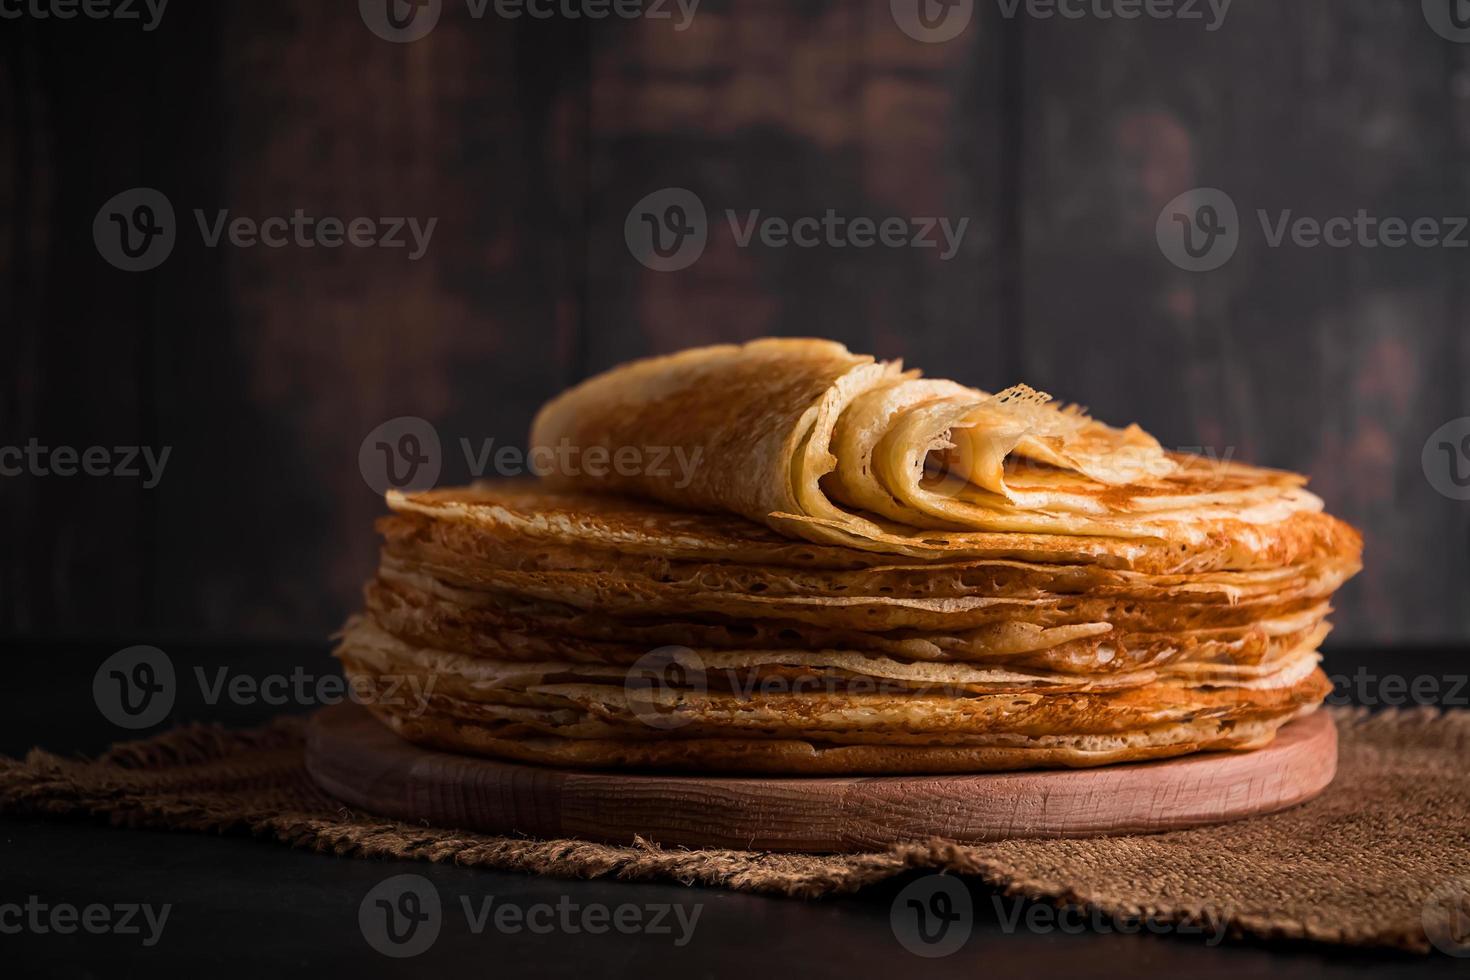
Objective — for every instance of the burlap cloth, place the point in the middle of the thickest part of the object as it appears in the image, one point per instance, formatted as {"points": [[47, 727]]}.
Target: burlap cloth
{"points": [[1370, 862]]}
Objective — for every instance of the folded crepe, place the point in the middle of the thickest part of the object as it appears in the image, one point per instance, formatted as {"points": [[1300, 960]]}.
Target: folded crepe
{"points": [[856, 571], [821, 443]]}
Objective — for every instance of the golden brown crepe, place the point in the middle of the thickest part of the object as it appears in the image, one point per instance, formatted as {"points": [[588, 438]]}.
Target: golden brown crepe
{"points": [[424, 610], [856, 571], [819, 442], [723, 717]]}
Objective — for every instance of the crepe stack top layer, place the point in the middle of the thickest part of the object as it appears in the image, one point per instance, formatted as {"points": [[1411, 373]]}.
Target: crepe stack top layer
{"points": [[783, 557]]}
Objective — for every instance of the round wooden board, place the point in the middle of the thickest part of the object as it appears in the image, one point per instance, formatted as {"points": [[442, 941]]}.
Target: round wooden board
{"points": [[357, 760]]}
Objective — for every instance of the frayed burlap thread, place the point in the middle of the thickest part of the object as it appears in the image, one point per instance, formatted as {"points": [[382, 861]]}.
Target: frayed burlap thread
{"points": [[1359, 865]]}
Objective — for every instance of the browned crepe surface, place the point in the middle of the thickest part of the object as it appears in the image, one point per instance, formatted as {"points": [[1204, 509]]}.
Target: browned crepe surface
{"points": [[843, 567]]}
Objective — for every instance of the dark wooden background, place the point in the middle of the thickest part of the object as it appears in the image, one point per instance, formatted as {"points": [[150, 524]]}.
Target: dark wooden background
{"points": [[530, 140]]}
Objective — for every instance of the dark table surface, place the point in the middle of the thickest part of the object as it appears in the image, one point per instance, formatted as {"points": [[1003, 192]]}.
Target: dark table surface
{"points": [[245, 906]]}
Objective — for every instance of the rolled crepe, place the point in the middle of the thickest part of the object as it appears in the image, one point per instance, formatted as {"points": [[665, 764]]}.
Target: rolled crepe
{"points": [[835, 447]]}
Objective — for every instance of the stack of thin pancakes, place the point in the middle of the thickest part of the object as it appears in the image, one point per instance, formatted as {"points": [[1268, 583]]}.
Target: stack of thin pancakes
{"points": [[783, 557]]}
